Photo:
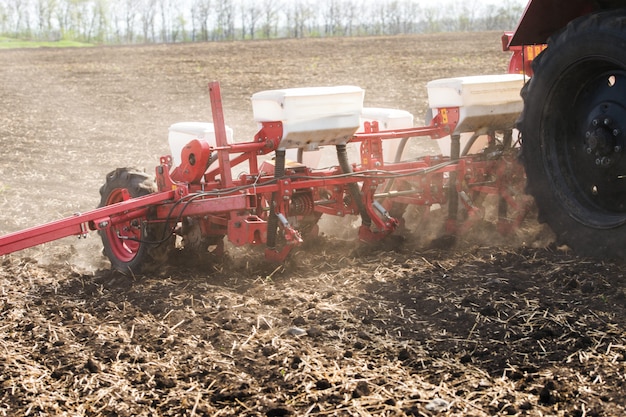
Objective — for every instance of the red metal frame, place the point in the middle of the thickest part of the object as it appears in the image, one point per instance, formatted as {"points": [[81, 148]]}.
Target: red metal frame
{"points": [[81, 224], [238, 208], [522, 55]]}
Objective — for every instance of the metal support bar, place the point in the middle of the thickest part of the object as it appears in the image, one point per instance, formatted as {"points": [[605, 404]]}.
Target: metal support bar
{"points": [[220, 134], [76, 225]]}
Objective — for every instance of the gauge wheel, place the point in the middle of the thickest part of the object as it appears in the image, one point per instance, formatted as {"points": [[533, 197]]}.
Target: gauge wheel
{"points": [[135, 246]]}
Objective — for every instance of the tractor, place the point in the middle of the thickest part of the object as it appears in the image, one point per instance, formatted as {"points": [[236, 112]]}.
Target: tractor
{"points": [[573, 125]]}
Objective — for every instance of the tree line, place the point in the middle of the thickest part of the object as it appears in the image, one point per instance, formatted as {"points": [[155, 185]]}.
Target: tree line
{"points": [[145, 21]]}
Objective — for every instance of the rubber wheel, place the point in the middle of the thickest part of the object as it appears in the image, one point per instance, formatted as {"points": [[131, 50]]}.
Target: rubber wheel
{"points": [[135, 246], [574, 135]]}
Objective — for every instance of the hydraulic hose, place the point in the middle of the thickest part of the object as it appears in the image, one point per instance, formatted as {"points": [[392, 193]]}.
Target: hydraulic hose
{"points": [[453, 195], [353, 188], [272, 221]]}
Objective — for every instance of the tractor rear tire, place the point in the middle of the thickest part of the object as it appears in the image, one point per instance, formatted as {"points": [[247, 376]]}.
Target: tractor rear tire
{"points": [[136, 246], [574, 135]]}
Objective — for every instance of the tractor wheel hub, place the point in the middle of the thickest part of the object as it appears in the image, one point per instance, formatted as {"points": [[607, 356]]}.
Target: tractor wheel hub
{"points": [[602, 139]]}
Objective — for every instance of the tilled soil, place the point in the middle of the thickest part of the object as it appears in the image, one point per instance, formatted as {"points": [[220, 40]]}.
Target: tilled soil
{"points": [[493, 325], [342, 331]]}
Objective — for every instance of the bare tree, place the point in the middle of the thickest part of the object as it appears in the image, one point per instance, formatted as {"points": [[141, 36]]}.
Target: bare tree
{"points": [[115, 32], [172, 20], [504, 16], [378, 13], [89, 22], [77, 19], [225, 25], [393, 17], [250, 14], [101, 20], [350, 17], [201, 11], [128, 21], [410, 14], [299, 16], [148, 13], [64, 17], [332, 16], [432, 19], [269, 14], [4, 18], [43, 14], [466, 16], [17, 15], [179, 30]]}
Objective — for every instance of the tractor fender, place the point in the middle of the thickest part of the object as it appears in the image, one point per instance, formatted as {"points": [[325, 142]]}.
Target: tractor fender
{"points": [[542, 18]]}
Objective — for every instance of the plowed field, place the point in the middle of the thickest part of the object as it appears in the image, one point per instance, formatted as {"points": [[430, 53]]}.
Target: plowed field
{"points": [[493, 325]]}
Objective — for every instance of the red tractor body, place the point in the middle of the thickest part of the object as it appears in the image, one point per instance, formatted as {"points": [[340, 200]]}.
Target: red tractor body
{"points": [[542, 18]]}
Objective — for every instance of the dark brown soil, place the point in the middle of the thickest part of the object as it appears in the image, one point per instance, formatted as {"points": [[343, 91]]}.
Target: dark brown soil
{"points": [[492, 326]]}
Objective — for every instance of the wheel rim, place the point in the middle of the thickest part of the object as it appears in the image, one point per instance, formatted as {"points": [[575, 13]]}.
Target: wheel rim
{"points": [[124, 238], [585, 159]]}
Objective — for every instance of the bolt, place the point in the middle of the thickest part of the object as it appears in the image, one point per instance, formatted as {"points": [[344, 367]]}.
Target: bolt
{"points": [[589, 150], [598, 161], [102, 225], [617, 149], [588, 134], [595, 122], [616, 132], [607, 121], [606, 161]]}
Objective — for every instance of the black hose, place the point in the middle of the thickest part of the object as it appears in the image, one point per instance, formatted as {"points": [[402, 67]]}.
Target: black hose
{"points": [[507, 142], [455, 154], [353, 188], [400, 150], [272, 221]]}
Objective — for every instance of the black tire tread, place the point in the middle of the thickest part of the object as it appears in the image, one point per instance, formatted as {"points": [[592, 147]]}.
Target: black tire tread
{"points": [[583, 239], [149, 256]]}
